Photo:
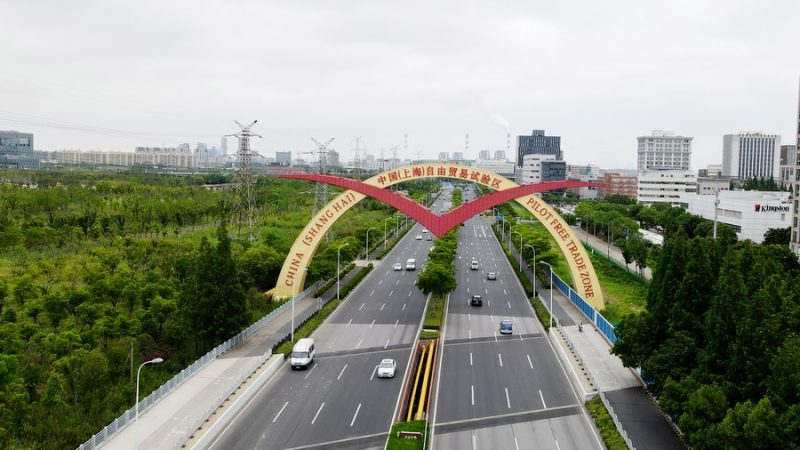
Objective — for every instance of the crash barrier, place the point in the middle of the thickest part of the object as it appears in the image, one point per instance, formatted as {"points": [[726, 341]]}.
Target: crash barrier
{"points": [[594, 316]]}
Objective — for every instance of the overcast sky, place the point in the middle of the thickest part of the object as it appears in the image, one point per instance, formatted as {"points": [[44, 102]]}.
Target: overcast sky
{"points": [[113, 75]]}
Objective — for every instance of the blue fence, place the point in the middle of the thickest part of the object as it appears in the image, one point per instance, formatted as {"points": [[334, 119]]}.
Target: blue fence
{"points": [[588, 310]]}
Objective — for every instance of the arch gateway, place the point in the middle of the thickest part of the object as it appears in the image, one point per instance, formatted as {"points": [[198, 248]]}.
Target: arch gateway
{"points": [[292, 276]]}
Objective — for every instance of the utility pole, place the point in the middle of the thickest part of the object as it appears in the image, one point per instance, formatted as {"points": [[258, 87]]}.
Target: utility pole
{"points": [[321, 190], [244, 204], [716, 206]]}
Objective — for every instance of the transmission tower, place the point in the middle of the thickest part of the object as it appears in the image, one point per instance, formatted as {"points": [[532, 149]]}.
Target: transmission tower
{"points": [[357, 155], [244, 204], [321, 191]]}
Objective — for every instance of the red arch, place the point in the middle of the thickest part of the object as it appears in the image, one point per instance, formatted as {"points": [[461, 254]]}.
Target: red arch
{"points": [[437, 224]]}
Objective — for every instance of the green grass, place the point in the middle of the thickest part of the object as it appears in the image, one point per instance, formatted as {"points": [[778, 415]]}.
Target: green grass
{"points": [[396, 443], [624, 292], [426, 335], [307, 328], [605, 424], [434, 314], [541, 313]]}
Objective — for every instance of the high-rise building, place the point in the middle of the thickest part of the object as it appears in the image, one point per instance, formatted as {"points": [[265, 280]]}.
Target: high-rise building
{"points": [[751, 155], [794, 238], [788, 165], [444, 156], [283, 158], [665, 186], [223, 145], [458, 156], [333, 158], [538, 144], [500, 155], [16, 151], [484, 154], [538, 168], [662, 150]]}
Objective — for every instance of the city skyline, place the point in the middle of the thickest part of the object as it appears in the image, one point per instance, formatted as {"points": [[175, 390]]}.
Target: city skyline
{"points": [[115, 77]]}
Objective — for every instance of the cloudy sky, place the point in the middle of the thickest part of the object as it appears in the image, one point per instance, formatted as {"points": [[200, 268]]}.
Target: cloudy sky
{"points": [[113, 75]]}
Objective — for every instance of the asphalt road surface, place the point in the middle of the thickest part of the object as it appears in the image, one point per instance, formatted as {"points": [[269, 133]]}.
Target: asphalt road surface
{"points": [[500, 391], [339, 403]]}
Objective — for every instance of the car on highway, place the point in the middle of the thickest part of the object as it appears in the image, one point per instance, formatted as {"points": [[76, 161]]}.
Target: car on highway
{"points": [[474, 265], [429, 238], [411, 264], [419, 237], [302, 353], [476, 300], [424, 230], [491, 276], [397, 266], [386, 368], [505, 327]]}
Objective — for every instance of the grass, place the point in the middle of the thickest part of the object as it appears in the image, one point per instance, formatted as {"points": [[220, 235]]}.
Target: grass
{"points": [[307, 328], [396, 443], [434, 314], [605, 424], [426, 335], [541, 313], [624, 292]]}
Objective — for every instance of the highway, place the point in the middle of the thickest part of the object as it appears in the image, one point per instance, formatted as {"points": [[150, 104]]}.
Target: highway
{"points": [[339, 403], [500, 391]]}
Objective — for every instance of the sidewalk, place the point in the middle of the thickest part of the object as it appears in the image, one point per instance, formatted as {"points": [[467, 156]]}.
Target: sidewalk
{"points": [[613, 252]]}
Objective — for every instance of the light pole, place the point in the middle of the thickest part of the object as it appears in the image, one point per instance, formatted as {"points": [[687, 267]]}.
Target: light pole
{"points": [[294, 296], [396, 225], [367, 245], [520, 248], [152, 361], [587, 227], [610, 236], [338, 255], [533, 265], [551, 291], [385, 236]]}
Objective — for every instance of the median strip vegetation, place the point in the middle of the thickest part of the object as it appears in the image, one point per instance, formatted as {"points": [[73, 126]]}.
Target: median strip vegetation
{"points": [[608, 431], [396, 442]]}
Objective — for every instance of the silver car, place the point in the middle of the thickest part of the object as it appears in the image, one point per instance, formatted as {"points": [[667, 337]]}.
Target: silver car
{"points": [[397, 266], [386, 368]]}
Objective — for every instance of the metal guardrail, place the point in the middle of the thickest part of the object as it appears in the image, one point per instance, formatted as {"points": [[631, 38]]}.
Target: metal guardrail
{"points": [[600, 322], [617, 423], [97, 440], [221, 399]]}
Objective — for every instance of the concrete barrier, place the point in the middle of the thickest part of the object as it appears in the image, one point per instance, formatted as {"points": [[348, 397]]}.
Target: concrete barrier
{"points": [[203, 439], [583, 386]]}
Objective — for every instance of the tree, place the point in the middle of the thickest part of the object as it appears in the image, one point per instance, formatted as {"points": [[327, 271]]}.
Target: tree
{"points": [[778, 236], [437, 279]]}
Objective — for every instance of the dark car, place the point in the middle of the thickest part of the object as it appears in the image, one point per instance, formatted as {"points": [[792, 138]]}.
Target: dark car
{"points": [[476, 300]]}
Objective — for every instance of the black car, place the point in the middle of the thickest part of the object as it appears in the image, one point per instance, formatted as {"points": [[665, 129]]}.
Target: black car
{"points": [[476, 300]]}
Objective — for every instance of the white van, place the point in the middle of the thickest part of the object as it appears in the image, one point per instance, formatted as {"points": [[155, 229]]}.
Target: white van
{"points": [[411, 264], [302, 353]]}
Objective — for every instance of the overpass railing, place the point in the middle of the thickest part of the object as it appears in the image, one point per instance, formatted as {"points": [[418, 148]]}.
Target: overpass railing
{"points": [[594, 316], [129, 416]]}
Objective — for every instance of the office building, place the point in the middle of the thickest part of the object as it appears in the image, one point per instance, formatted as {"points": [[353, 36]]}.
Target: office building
{"points": [[537, 168], [589, 171], [16, 151], [665, 186], [749, 213], [284, 158], [788, 167], [333, 158], [663, 150], [500, 155], [618, 184], [223, 145], [444, 156], [751, 155], [538, 144], [484, 154], [712, 185], [714, 170], [146, 157], [503, 168], [458, 156]]}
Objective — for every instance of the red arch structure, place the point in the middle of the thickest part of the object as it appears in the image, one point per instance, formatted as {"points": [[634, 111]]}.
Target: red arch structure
{"points": [[439, 224]]}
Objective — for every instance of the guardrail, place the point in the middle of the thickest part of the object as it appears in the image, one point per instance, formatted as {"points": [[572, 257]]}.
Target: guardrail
{"points": [[129, 416], [605, 327], [617, 423]]}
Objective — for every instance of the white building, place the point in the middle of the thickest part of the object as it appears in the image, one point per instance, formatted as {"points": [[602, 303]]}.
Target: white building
{"points": [[788, 165], [751, 155], [500, 155], [662, 150], [537, 168], [712, 185], [500, 167], [750, 213], [484, 154], [714, 170], [665, 186], [444, 156], [458, 156]]}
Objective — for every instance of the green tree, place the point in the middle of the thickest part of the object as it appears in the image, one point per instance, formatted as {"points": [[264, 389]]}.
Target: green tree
{"points": [[436, 278], [778, 236]]}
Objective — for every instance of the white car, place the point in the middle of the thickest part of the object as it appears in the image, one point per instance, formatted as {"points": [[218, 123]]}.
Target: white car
{"points": [[491, 276], [386, 368], [424, 230], [397, 266], [419, 237], [474, 265]]}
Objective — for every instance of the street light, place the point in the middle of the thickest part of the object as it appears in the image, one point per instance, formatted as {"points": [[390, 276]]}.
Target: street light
{"points": [[520, 248], [338, 255], [610, 236], [385, 236], [152, 361], [551, 291], [367, 245], [587, 227], [533, 265]]}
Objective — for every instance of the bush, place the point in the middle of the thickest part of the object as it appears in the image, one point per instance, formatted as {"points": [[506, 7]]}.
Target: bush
{"points": [[541, 312], [330, 283], [350, 285], [605, 424]]}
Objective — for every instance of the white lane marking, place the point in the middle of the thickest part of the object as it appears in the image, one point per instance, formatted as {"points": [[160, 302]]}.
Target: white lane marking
{"points": [[470, 333], [516, 444], [409, 293], [373, 323], [373, 373], [557, 446], [509, 305], [508, 400], [467, 289], [370, 294], [317, 414], [472, 392], [309, 372], [495, 335], [390, 293], [467, 279], [470, 358], [279, 412], [397, 282], [500, 358], [384, 306], [396, 322], [379, 282], [542, 397], [530, 363], [469, 317], [489, 302], [501, 281], [349, 322], [486, 291], [355, 415], [386, 345], [340, 373], [362, 305], [359, 342], [473, 440], [504, 292], [404, 307]]}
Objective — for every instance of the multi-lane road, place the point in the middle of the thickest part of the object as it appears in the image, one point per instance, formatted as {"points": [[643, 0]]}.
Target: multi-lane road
{"points": [[500, 391], [339, 402], [493, 391]]}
